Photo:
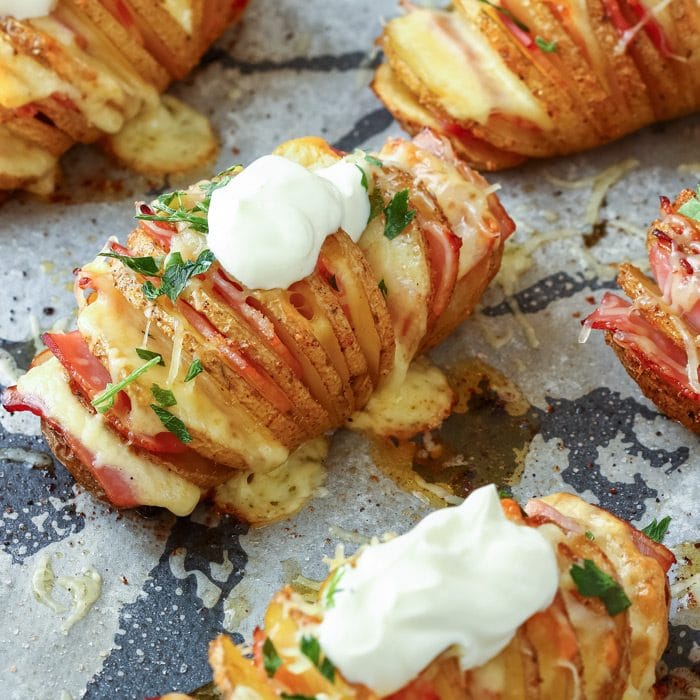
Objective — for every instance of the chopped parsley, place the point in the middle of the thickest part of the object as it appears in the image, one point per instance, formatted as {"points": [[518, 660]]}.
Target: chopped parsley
{"points": [[144, 266], [363, 178], [104, 401], [271, 659], [177, 274], [507, 13], [504, 492], [592, 582], [382, 287], [311, 649], [398, 215], [376, 204], [691, 208], [546, 46], [332, 587], [170, 207], [657, 531], [372, 160], [163, 397], [149, 355], [172, 424], [589, 535], [194, 369]]}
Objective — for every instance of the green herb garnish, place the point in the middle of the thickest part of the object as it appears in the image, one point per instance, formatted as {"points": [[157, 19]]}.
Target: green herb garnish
{"points": [[144, 266], [398, 215], [372, 160], [170, 207], [177, 274], [172, 424], [163, 397], [311, 649], [104, 401], [376, 204], [382, 287], [592, 582], [504, 492], [271, 659], [287, 696], [691, 208], [149, 355], [363, 179], [546, 46], [656, 531], [507, 13], [332, 587], [589, 535], [194, 369]]}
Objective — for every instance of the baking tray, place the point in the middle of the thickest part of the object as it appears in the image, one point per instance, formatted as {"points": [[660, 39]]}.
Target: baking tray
{"points": [[298, 67]]}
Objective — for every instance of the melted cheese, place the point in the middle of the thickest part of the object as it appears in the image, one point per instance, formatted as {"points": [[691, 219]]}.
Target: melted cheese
{"points": [[152, 484], [181, 12], [265, 497], [463, 201], [23, 160], [474, 82], [111, 323], [420, 402]]}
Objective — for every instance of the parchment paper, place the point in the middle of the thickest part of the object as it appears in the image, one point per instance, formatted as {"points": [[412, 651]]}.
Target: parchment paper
{"points": [[301, 67]]}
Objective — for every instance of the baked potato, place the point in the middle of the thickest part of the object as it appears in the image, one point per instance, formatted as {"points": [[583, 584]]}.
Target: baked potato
{"points": [[253, 374]]}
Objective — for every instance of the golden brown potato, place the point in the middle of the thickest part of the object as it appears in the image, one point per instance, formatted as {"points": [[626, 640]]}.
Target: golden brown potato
{"points": [[512, 80], [93, 69], [575, 648], [278, 367], [656, 335]]}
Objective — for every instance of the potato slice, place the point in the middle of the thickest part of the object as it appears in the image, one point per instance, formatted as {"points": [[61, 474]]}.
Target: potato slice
{"points": [[413, 117], [169, 137]]}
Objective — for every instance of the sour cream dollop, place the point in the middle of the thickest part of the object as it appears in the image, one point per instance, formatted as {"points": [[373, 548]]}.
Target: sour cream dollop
{"points": [[267, 226], [26, 9], [464, 576]]}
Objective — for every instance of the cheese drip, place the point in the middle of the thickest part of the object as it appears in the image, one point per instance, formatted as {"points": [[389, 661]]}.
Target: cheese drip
{"points": [[26, 9], [448, 582]]}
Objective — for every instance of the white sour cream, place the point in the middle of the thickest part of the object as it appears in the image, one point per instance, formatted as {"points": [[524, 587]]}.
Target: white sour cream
{"points": [[267, 226], [464, 576], [26, 9]]}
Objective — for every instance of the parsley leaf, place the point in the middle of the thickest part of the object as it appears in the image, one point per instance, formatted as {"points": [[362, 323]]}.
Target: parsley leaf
{"points": [[332, 587], [311, 649], [271, 659], [398, 215], [363, 178], [172, 424], [194, 369], [376, 204], [177, 274], [504, 492], [691, 208], [372, 160], [144, 266], [592, 582], [104, 401], [546, 46], [382, 287], [164, 397], [656, 531], [589, 535], [149, 355], [171, 208], [507, 13]]}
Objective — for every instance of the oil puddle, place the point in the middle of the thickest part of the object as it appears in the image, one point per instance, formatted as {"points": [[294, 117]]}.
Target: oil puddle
{"points": [[484, 440]]}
